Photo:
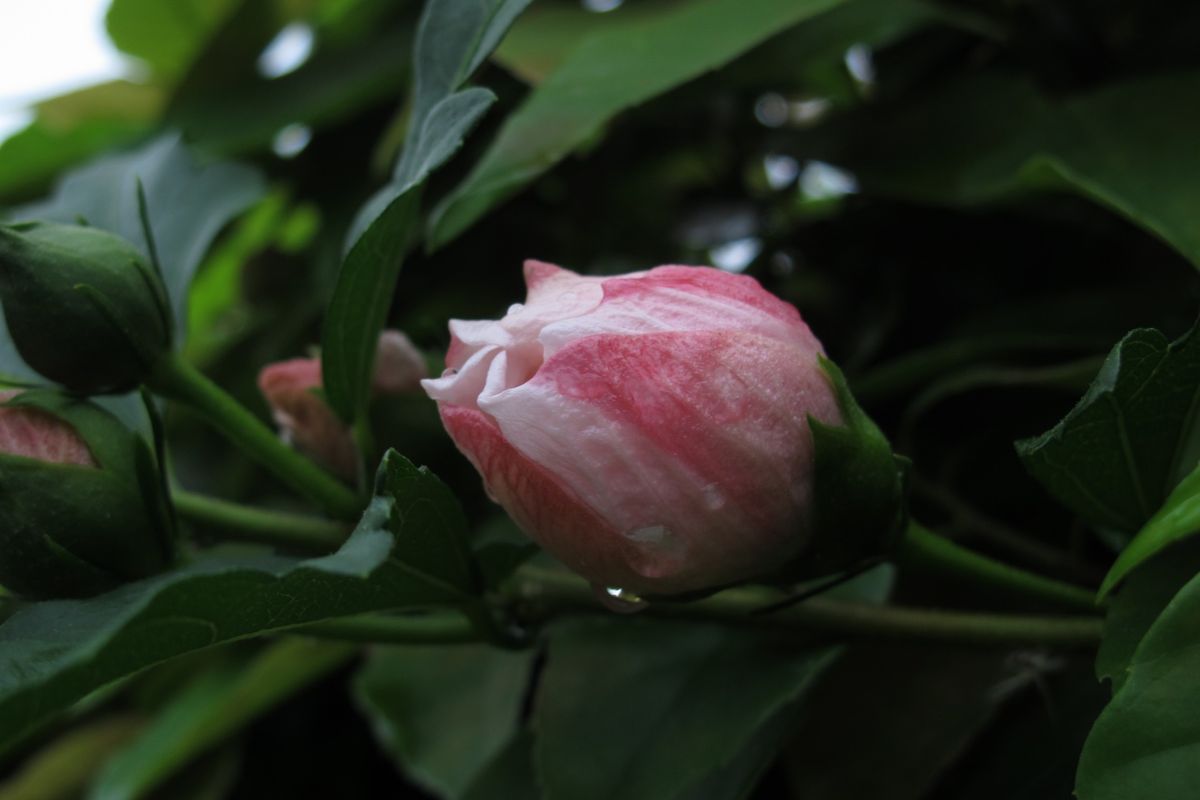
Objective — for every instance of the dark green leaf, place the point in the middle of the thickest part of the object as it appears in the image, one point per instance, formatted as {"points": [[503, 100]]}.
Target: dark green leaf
{"points": [[1146, 743], [1121, 450], [210, 709], [1136, 606], [453, 39], [1127, 146], [1178, 519], [614, 69], [444, 714], [332, 86], [167, 36], [435, 529], [54, 653], [361, 300], [636, 709], [509, 776]]}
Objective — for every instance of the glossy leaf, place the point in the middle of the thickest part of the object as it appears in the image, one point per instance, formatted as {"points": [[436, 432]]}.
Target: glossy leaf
{"points": [[1122, 449], [54, 653], [453, 38], [444, 714], [635, 709], [1145, 743], [610, 71]]}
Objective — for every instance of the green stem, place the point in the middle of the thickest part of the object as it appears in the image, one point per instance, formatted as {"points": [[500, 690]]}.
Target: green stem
{"points": [[432, 628], [921, 550], [921, 366], [540, 595], [174, 378], [248, 524], [548, 593]]}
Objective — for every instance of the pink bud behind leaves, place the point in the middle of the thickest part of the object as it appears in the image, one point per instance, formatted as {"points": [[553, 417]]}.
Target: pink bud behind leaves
{"points": [[292, 389], [650, 430]]}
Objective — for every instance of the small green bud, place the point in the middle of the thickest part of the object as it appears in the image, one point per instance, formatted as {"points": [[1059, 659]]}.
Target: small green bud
{"points": [[83, 306], [81, 500]]}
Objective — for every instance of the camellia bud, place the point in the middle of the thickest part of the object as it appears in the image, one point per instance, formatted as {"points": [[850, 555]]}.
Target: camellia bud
{"points": [[292, 389], [83, 307], [82, 507], [650, 430]]}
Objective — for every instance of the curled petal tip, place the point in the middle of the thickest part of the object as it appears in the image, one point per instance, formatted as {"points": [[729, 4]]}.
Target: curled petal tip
{"points": [[538, 272]]}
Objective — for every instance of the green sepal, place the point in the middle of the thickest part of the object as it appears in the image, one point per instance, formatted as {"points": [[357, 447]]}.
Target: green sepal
{"points": [[859, 491], [73, 531], [83, 306]]}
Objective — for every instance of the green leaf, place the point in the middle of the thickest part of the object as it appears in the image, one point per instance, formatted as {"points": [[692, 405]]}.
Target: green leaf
{"points": [[453, 38], [1127, 443], [1146, 743], [610, 71], [244, 112], [167, 36], [53, 653], [636, 709], [435, 528], [74, 127], [360, 303], [1178, 519], [444, 714], [210, 709], [1127, 146], [189, 200], [546, 34], [509, 776], [1138, 604]]}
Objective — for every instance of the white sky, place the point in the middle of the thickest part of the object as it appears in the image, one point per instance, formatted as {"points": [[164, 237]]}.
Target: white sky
{"points": [[48, 47]]}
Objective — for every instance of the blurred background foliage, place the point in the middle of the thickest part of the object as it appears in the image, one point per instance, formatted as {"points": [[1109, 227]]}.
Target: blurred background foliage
{"points": [[969, 202]]}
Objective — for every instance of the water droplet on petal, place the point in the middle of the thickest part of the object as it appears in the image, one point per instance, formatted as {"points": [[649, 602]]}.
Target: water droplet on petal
{"points": [[622, 601], [714, 500]]}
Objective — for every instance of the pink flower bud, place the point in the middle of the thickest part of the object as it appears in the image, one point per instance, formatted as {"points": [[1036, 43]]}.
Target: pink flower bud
{"points": [[399, 366], [649, 430], [33, 433], [305, 420]]}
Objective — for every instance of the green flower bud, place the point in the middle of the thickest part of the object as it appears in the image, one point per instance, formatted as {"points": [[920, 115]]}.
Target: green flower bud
{"points": [[83, 307], [82, 507]]}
